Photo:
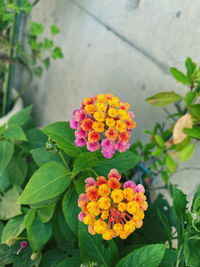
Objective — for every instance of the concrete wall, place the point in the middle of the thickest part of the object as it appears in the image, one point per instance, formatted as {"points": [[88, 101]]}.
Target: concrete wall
{"points": [[119, 46]]}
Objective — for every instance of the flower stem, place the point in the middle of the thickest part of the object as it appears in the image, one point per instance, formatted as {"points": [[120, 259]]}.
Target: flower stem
{"points": [[63, 159]]}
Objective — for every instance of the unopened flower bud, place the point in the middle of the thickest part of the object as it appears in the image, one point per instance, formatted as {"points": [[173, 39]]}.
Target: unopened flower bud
{"points": [[10, 242], [34, 256]]}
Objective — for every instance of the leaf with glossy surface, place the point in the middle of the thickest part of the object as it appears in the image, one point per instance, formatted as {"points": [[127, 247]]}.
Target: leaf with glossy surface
{"points": [[42, 156], [163, 99], [179, 76], [6, 152], [84, 161], [72, 262], [122, 161], [63, 135], [17, 170], [45, 214], [92, 247], [171, 164], [28, 218], [36, 139], [169, 259], [186, 153], [8, 205], [190, 97], [4, 182], [192, 252], [49, 181], [15, 132], [13, 228], [39, 234], [70, 209], [21, 117], [179, 202], [195, 110], [150, 255], [194, 132]]}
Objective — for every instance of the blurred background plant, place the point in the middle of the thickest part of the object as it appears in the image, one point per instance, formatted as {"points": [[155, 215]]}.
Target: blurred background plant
{"points": [[173, 141], [33, 52]]}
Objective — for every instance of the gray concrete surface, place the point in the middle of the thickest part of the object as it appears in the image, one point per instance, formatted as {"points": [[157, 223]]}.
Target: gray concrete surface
{"points": [[119, 46]]}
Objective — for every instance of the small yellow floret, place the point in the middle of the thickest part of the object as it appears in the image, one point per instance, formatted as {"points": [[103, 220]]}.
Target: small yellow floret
{"points": [[101, 98], [123, 114], [98, 126], [101, 106], [104, 190], [128, 193], [132, 206], [110, 122], [120, 126], [93, 208], [99, 116], [108, 234], [117, 195], [118, 228], [129, 226], [138, 224], [114, 102], [100, 226], [123, 234], [112, 112], [104, 215], [104, 203], [122, 206], [89, 219]]}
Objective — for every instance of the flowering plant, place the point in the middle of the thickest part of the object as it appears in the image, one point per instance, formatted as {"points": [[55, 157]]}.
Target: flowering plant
{"points": [[109, 210], [103, 121]]}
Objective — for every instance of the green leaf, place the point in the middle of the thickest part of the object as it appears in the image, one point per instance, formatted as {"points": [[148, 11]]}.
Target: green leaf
{"points": [[171, 164], [196, 196], [165, 177], [163, 99], [45, 214], [15, 132], [36, 29], [166, 226], [195, 110], [17, 170], [4, 182], [169, 259], [42, 156], [63, 135], [159, 141], [46, 62], [27, 6], [36, 139], [192, 252], [8, 254], [179, 202], [92, 247], [39, 234], [72, 262], [186, 153], [194, 132], [70, 209], [28, 218], [190, 97], [47, 44], [38, 71], [6, 153], [8, 205], [157, 152], [13, 228], [179, 76], [21, 117], [123, 162], [51, 258], [57, 53], [49, 181], [150, 255], [84, 161], [54, 29], [190, 66], [24, 259]]}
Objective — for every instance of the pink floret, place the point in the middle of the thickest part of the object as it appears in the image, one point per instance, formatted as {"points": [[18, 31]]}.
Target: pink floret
{"points": [[122, 146], [93, 146], [114, 174], [89, 182], [130, 184], [81, 216], [82, 197], [80, 141], [73, 124], [140, 188], [81, 133]]}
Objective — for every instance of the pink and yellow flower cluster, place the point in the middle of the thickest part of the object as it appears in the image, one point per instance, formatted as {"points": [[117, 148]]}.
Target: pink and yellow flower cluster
{"points": [[110, 210], [103, 121]]}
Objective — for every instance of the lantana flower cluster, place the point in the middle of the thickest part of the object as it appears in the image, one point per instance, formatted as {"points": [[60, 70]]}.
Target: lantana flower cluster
{"points": [[103, 121], [111, 210]]}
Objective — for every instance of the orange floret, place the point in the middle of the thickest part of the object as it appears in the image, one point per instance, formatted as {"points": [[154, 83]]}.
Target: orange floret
{"points": [[110, 122], [101, 180], [93, 136], [130, 124], [99, 116], [125, 105], [87, 125], [90, 108], [104, 190], [124, 136], [111, 134], [92, 193], [113, 183], [88, 101]]}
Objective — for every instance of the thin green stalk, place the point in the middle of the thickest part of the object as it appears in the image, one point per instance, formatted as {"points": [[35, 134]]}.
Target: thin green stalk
{"points": [[90, 169], [63, 159], [179, 256]]}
